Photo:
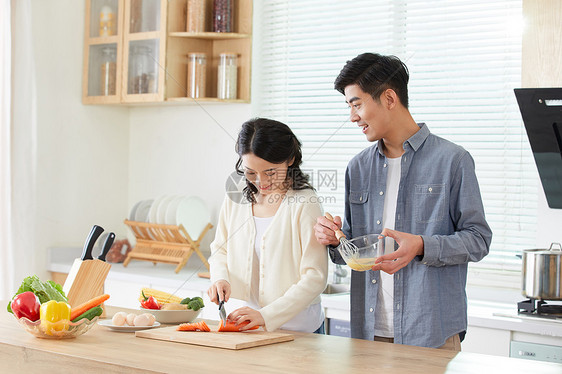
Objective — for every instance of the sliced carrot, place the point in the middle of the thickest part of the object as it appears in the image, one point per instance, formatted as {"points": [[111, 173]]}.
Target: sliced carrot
{"points": [[186, 327], [196, 326], [204, 326], [233, 327], [92, 303]]}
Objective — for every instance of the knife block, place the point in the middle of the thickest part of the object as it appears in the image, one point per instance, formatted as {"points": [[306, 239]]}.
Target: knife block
{"points": [[88, 281]]}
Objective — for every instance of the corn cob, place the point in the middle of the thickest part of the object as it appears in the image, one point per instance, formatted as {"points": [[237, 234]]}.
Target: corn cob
{"points": [[160, 296]]}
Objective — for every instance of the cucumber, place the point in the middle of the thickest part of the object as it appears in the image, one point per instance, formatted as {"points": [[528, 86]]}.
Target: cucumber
{"points": [[90, 314]]}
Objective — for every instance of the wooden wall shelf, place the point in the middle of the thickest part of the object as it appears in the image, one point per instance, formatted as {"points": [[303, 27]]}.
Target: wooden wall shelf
{"points": [[209, 35]]}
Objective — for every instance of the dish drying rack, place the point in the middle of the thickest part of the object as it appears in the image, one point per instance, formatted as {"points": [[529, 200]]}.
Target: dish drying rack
{"points": [[169, 244]]}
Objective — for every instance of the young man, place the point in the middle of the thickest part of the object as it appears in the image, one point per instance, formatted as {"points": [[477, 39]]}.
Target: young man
{"points": [[421, 192]]}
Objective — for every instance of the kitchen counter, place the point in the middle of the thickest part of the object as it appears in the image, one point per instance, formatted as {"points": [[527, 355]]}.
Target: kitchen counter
{"points": [[104, 350], [482, 314]]}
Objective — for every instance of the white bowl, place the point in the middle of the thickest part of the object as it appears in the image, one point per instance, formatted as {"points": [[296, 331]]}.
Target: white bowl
{"points": [[173, 316]]}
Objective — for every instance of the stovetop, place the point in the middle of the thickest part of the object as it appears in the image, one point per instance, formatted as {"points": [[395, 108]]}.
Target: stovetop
{"points": [[540, 309], [535, 310]]}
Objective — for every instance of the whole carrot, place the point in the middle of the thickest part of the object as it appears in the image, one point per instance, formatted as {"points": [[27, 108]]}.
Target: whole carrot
{"points": [[76, 311], [233, 327]]}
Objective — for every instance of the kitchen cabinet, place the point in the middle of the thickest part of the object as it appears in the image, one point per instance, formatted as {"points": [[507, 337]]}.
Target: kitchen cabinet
{"points": [[487, 340], [338, 327], [181, 43], [144, 47], [103, 45], [136, 51], [124, 50]]}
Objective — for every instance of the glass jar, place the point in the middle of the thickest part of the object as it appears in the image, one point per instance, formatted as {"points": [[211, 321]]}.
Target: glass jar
{"points": [[141, 74], [195, 16], [107, 21], [227, 76], [196, 75], [108, 71], [222, 16]]}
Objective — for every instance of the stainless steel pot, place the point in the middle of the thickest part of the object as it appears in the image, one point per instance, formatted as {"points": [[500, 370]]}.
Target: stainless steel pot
{"points": [[542, 273]]}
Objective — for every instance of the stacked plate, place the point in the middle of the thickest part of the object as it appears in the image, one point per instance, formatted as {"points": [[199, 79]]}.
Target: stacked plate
{"points": [[189, 211], [140, 210]]}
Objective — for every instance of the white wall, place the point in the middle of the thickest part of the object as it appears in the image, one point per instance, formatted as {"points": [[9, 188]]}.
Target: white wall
{"points": [[82, 165], [184, 150], [549, 223]]}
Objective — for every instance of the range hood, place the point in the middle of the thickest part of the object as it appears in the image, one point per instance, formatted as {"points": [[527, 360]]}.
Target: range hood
{"points": [[541, 109]]}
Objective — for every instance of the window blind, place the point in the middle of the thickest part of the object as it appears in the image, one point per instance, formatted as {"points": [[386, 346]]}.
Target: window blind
{"points": [[464, 59]]}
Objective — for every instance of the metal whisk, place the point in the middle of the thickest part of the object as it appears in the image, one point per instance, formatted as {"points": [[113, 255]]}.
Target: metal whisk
{"points": [[346, 248]]}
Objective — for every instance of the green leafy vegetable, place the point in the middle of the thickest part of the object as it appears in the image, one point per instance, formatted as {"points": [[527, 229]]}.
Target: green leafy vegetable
{"points": [[44, 291]]}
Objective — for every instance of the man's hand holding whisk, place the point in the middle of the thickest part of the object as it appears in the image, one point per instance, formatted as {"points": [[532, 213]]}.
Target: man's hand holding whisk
{"points": [[409, 246], [324, 230]]}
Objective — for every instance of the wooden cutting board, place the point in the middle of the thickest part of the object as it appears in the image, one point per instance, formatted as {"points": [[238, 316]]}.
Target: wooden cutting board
{"points": [[228, 340]]}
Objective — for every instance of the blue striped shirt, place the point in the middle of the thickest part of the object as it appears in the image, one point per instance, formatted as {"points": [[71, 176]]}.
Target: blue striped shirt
{"points": [[439, 199]]}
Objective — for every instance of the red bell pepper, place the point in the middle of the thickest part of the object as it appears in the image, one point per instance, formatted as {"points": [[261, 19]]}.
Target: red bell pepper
{"points": [[150, 302], [27, 305]]}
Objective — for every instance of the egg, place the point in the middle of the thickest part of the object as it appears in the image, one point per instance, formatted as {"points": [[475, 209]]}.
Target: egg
{"points": [[143, 320], [131, 319], [119, 318], [151, 317]]}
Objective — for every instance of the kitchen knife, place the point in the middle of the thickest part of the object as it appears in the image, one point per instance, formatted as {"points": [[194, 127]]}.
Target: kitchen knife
{"points": [[106, 246], [222, 312], [90, 241], [86, 255]]}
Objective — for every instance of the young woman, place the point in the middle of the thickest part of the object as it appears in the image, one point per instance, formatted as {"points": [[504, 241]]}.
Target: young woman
{"points": [[265, 251]]}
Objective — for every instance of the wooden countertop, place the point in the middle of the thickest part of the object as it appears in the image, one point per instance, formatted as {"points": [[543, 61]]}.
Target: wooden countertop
{"points": [[116, 352]]}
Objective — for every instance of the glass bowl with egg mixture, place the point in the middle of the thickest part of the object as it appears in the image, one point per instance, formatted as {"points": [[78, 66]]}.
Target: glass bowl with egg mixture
{"points": [[360, 253]]}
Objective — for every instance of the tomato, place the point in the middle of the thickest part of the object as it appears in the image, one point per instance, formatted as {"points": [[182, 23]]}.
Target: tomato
{"points": [[27, 305]]}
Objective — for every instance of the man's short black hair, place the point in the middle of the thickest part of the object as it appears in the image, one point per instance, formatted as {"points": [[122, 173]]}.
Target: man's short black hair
{"points": [[374, 73]]}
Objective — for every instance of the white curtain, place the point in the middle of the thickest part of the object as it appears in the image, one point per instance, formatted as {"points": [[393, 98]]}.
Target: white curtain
{"points": [[18, 146], [5, 146], [464, 58]]}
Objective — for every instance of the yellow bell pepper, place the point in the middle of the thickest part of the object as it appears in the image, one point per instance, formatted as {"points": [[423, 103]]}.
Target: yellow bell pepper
{"points": [[55, 316]]}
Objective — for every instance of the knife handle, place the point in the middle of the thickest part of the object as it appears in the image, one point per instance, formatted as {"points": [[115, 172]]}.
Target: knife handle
{"points": [[106, 246], [90, 241]]}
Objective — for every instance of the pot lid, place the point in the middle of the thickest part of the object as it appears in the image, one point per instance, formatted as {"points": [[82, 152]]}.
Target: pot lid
{"points": [[555, 249]]}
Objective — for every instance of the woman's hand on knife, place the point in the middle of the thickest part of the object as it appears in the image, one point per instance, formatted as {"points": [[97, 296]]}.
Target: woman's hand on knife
{"points": [[220, 287]]}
